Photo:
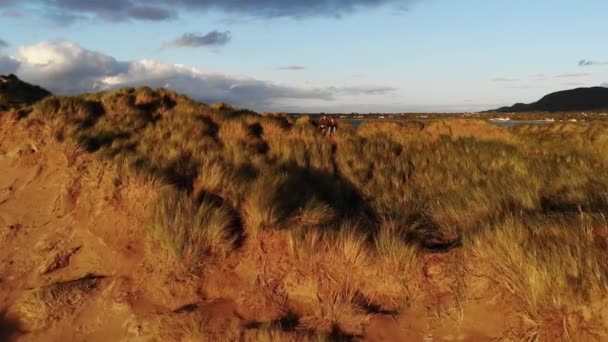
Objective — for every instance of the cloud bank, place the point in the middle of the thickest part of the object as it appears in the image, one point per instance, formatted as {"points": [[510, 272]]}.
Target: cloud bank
{"points": [[67, 68], [213, 38], [3, 44], [364, 90], [573, 75], [505, 79], [586, 63], [292, 68], [542, 78], [159, 10]]}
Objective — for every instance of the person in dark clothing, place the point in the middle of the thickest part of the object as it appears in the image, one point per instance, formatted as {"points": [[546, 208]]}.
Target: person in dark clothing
{"points": [[333, 126]]}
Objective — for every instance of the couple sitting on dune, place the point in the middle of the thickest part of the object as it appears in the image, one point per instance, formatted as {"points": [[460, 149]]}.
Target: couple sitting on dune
{"points": [[328, 126]]}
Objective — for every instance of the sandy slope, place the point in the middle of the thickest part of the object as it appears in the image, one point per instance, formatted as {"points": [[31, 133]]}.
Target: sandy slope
{"points": [[73, 224], [64, 217]]}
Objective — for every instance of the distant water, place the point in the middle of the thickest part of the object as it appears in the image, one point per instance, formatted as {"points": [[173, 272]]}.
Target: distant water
{"points": [[516, 123], [358, 122]]}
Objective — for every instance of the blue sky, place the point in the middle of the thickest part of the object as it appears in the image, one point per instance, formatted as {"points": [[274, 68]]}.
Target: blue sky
{"points": [[315, 55]]}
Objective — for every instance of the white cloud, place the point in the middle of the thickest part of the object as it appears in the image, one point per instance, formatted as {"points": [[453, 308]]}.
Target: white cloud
{"points": [[210, 87], [67, 68]]}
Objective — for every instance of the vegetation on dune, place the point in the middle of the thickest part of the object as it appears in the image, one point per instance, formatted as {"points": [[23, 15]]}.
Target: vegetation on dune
{"points": [[555, 267], [42, 306], [16, 94], [189, 232], [529, 202]]}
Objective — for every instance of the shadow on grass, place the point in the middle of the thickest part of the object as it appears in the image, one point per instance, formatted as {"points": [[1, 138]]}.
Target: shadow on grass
{"points": [[290, 321], [594, 203], [304, 186], [338, 335], [236, 228], [424, 231], [9, 328], [92, 143]]}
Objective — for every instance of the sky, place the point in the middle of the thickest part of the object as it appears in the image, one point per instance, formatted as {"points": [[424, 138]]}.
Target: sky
{"points": [[312, 55]]}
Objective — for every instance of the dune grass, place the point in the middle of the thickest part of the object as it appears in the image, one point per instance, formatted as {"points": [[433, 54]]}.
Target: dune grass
{"points": [[40, 307], [188, 232], [527, 200], [555, 266]]}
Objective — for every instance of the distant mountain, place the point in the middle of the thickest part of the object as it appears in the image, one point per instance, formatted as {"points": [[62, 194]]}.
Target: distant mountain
{"points": [[579, 99], [16, 93]]}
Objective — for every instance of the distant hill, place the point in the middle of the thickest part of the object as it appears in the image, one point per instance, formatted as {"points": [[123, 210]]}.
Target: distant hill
{"points": [[16, 93], [579, 99]]}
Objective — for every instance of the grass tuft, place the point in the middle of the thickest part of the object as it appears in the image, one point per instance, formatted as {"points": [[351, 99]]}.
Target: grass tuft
{"points": [[189, 233]]}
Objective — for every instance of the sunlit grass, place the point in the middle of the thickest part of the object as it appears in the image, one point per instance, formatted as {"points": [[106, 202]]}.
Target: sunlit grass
{"points": [[188, 233], [552, 265], [527, 201]]}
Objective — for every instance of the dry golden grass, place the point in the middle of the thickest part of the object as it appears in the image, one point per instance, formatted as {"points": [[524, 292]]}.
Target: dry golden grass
{"points": [[357, 212], [187, 327], [259, 208], [551, 265], [188, 233], [40, 307]]}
